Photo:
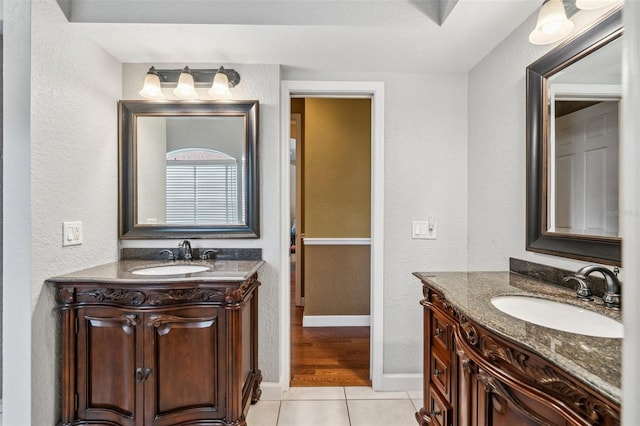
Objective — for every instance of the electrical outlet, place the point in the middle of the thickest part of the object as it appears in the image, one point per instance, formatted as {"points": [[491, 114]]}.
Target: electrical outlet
{"points": [[71, 233]]}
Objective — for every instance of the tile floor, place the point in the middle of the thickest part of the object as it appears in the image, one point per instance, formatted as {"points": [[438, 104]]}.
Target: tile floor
{"points": [[337, 406]]}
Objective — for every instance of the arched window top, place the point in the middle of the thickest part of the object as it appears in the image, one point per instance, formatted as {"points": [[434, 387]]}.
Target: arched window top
{"points": [[198, 154]]}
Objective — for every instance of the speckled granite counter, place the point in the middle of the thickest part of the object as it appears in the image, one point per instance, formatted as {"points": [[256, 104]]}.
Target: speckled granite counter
{"points": [[594, 361], [120, 272]]}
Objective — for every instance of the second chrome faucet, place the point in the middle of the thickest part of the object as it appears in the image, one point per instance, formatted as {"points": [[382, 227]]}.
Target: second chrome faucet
{"points": [[612, 294]]}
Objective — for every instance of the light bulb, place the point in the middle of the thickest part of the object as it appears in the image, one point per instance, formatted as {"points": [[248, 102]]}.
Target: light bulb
{"points": [[552, 24], [151, 88], [185, 88], [220, 87]]}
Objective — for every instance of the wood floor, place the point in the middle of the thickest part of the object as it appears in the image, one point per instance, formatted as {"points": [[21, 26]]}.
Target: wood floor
{"points": [[327, 356]]}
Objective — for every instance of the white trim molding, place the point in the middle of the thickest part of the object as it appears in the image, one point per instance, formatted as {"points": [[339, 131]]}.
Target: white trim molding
{"points": [[402, 382], [337, 241], [336, 320], [373, 90]]}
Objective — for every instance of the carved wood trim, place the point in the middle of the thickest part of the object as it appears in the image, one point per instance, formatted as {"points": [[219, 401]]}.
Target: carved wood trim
{"points": [[127, 321], [162, 297], [164, 323], [495, 387], [114, 295]]}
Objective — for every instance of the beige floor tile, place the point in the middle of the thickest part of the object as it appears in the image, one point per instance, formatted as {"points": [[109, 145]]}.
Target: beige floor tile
{"points": [[417, 403], [381, 412], [313, 413], [314, 393], [264, 413], [365, 392]]}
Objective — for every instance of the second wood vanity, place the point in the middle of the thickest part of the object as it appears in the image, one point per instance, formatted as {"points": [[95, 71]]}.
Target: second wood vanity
{"points": [[483, 367], [166, 350]]}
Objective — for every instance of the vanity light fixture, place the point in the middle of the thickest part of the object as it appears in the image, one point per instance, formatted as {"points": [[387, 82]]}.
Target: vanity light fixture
{"points": [[218, 80], [594, 4], [552, 24]]}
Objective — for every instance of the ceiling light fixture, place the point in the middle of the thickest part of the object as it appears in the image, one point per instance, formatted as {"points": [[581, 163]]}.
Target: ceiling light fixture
{"points": [[218, 80], [552, 24]]}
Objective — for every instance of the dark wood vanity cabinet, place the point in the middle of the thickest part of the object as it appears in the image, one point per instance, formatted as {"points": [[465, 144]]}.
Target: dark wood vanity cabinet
{"points": [[158, 355], [477, 378]]}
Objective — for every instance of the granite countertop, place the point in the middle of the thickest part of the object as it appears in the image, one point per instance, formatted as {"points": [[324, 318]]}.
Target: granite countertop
{"points": [[120, 272], [596, 361]]}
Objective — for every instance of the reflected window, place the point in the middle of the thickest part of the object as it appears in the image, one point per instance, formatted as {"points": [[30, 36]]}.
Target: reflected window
{"points": [[202, 187]]}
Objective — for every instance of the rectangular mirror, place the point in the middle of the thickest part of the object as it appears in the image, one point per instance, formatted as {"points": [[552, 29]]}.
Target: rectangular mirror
{"points": [[573, 99], [188, 169]]}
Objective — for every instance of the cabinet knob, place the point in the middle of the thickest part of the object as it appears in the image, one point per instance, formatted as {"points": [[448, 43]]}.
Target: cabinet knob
{"points": [[436, 372], [438, 332], [436, 412]]}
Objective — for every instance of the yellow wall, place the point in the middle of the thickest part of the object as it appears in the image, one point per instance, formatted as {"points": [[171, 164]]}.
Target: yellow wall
{"points": [[337, 168], [337, 280], [337, 204]]}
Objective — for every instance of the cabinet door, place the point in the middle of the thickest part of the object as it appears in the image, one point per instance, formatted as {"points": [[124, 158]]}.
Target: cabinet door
{"points": [[183, 350], [109, 343]]}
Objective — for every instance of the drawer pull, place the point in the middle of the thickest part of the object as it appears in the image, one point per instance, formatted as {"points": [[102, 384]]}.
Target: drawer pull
{"points": [[436, 412], [438, 332], [436, 372]]}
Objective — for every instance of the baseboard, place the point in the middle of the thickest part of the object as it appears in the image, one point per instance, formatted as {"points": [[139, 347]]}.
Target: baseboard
{"points": [[271, 391], [401, 382], [336, 321]]}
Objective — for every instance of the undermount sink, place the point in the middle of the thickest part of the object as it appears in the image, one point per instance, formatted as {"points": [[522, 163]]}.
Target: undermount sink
{"points": [[559, 316], [170, 270]]}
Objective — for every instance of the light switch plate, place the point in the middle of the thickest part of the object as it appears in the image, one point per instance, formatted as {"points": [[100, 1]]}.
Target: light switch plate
{"points": [[424, 230], [71, 233]]}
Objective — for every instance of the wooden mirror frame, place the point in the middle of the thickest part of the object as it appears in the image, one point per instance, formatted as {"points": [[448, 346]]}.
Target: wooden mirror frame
{"points": [[128, 226], [607, 250]]}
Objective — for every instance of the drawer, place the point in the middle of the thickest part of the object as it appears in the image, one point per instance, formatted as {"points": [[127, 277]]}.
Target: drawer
{"points": [[440, 332], [440, 411], [441, 374]]}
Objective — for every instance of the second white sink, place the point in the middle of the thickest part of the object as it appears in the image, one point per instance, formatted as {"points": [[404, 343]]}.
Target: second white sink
{"points": [[559, 316], [170, 270]]}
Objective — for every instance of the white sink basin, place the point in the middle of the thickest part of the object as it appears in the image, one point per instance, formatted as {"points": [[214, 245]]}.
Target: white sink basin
{"points": [[170, 270], [559, 316]]}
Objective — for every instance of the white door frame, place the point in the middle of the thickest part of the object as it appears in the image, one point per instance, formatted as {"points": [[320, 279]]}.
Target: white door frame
{"points": [[348, 89]]}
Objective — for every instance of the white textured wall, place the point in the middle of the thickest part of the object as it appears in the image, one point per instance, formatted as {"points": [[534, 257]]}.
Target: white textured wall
{"points": [[497, 152], [262, 83], [425, 173], [74, 89]]}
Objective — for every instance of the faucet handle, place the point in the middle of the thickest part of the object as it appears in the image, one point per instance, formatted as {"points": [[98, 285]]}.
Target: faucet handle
{"points": [[583, 291], [209, 254], [169, 253]]}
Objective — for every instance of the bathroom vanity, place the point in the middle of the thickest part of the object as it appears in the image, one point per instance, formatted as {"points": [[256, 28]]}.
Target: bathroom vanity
{"points": [[161, 349], [484, 367]]}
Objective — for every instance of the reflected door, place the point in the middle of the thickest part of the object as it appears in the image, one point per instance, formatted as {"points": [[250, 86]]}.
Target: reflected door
{"points": [[586, 163]]}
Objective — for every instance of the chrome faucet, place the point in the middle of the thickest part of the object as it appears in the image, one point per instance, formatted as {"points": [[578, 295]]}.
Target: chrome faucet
{"points": [[185, 246], [611, 296]]}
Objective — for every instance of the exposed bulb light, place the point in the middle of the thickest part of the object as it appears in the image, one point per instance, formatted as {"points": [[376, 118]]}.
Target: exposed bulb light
{"points": [[595, 4], [151, 88], [220, 87], [552, 24], [185, 88]]}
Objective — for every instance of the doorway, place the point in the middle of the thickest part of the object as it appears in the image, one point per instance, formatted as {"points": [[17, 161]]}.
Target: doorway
{"points": [[375, 92], [330, 253]]}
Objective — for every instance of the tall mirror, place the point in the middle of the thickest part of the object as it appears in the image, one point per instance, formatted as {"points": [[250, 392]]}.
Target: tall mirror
{"points": [[188, 169], [573, 102]]}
